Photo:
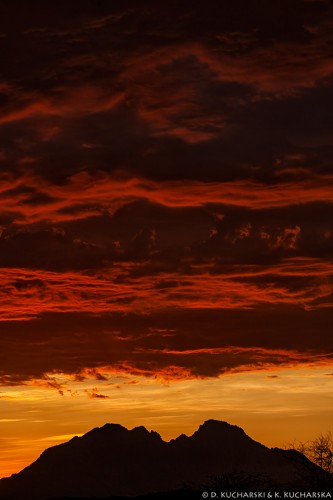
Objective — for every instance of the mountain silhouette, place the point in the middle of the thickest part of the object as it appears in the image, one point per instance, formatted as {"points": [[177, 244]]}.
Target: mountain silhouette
{"points": [[115, 461]]}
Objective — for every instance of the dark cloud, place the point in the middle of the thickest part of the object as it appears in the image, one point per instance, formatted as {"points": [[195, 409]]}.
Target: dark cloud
{"points": [[189, 342], [165, 187], [94, 394], [181, 96]]}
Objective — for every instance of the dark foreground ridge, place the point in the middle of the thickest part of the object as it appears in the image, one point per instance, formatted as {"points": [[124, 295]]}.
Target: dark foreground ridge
{"points": [[114, 462]]}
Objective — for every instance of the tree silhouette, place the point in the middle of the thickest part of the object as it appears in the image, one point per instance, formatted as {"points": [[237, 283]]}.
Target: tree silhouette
{"points": [[319, 450]]}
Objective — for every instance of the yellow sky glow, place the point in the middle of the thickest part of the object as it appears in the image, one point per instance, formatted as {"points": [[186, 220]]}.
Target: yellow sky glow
{"points": [[272, 407]]}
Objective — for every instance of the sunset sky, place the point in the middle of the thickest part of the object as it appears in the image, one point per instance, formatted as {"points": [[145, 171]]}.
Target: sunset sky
{"points": [[166, 208]]}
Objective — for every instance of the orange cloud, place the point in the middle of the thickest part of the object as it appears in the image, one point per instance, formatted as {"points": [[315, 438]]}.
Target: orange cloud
{"points": [[95, 394], [168, 365]]}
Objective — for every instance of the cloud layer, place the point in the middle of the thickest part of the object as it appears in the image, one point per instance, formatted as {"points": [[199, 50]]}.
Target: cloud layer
{"points": [[166, 187]]}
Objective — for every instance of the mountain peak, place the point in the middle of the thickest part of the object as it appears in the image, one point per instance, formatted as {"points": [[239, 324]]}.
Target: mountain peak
{"points": [[140, 429], [112, 427], [108, 429], [100, 462], [218, 428], [214, 424]]}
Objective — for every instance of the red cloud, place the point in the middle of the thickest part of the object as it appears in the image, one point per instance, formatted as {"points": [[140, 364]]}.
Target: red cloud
{"points": [[79, 101], [204, 344], [166, 86], [27, 294], [171, 99], [84, 195]]}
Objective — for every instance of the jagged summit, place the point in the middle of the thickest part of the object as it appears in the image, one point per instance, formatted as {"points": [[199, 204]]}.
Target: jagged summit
{"points": [[100, 463], [117, 430], [208, 426]]}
